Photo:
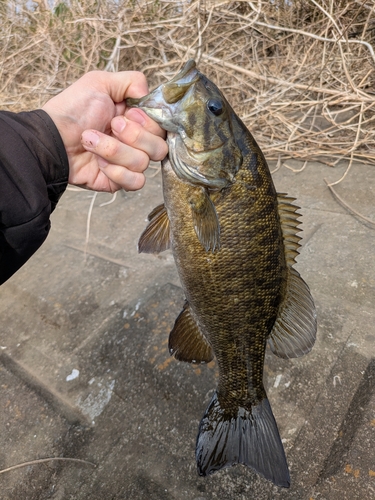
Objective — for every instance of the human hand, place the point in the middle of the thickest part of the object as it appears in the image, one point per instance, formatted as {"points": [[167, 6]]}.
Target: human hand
{"points": [[108, 146]]}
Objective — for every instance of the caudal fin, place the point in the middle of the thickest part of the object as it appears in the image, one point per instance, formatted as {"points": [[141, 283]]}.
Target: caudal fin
{"points": [[249, 437]]}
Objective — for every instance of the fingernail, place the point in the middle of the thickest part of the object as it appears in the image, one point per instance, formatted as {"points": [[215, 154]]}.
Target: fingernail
{"points": [[90, 139], [136, 116], [118, 124]]}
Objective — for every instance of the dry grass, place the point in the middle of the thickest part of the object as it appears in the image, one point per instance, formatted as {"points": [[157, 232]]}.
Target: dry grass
{"points": [[301, 76]]}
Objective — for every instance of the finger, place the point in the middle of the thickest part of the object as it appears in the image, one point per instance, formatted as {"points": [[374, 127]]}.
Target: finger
{"points": [[114, 151], [139, 116], [136, 136], [124, 84], [122, 176]]}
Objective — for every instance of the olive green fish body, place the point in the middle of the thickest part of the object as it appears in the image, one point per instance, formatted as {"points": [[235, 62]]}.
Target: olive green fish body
{"points": [[234, 293], [234, 243]]}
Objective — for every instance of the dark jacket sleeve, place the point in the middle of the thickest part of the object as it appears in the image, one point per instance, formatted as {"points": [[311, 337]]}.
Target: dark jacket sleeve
{"points": [[34, 173]]}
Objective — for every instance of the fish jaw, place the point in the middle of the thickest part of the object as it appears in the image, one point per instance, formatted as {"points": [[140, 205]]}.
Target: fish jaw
{"points": [[163, 103], [155, 107]]}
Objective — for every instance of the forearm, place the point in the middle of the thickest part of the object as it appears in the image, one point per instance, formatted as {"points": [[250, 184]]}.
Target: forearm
{"points": [[34, 173]]}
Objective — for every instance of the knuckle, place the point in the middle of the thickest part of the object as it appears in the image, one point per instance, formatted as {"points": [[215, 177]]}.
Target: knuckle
{"points": [[137, 182], [91, 75], [140, 77], [161, 151], [133, 134], [132, 181], [141, 161], [125, 177]]}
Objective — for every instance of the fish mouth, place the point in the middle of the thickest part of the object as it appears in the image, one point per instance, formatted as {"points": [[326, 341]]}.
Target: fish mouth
{"points": [[161, 103]]}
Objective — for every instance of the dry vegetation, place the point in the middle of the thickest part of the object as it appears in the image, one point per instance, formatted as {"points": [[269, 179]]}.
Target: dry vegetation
{"points": [[300, 72]]}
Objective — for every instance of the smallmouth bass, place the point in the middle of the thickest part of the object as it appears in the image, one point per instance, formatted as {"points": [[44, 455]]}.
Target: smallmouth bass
{"points": [[234, 242]]}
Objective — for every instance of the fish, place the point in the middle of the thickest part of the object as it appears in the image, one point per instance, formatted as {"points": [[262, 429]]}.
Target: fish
{"points": [[234, 241]]}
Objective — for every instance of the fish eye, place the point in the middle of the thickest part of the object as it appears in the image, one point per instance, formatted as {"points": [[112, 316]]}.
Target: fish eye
{"points": [[215, 106]]}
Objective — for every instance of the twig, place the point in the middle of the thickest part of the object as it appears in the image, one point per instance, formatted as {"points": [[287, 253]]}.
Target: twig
{"points": [[296, 170], [353, 150], [346, 205], [88, 222], [110, 201], [44, 460], [111, 66]]}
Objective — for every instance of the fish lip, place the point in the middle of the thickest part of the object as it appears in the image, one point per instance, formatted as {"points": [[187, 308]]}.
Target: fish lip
{"points": [[152, 100], [155, 107]]}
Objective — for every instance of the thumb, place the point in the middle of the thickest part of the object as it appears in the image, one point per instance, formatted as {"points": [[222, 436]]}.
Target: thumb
{"points": [[125, 84]]}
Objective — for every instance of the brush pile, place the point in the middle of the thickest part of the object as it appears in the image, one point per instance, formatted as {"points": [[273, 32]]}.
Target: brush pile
{"points": [[300, 73]]}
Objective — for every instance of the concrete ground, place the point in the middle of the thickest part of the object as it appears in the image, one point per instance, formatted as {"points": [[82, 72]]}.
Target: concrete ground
{"points": [[85, 371]]}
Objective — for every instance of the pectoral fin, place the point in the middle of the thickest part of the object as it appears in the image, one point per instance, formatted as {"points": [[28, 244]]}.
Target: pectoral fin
{"points": [[157, 235], [205, 220], [294, 331], [186, 343]]}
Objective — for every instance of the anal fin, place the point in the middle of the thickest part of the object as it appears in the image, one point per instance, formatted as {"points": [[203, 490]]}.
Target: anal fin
{"points": [[186, 342], [157, 236]]}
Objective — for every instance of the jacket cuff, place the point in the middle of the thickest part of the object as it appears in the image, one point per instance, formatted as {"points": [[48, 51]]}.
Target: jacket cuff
{"points": [[55, 172]]}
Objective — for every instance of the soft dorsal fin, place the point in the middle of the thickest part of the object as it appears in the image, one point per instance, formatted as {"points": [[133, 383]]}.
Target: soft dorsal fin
{"points": [[294, 331], [205, 220], [289, 226], [157, 235], [186, 342]]}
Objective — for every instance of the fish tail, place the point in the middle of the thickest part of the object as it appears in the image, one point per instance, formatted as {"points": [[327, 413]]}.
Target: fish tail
{"points": [[246, 437]]}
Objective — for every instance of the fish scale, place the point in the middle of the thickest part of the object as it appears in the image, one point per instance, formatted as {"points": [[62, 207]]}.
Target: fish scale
{"points": [[234, 243]]}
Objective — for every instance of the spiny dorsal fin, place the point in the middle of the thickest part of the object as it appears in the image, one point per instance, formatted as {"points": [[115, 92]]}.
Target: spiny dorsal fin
{"points": [[157, 235], [205, 220], [289, 226], [186, 343], [294, 331]]}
